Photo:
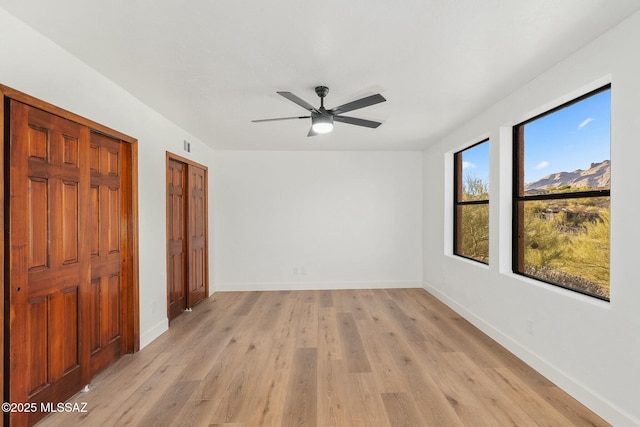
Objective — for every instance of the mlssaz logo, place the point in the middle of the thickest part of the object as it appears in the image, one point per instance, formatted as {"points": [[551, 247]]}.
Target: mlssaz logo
{"points": [[63, 407]]}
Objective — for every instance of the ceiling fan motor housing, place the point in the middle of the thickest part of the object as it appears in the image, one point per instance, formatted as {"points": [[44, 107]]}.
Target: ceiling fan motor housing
{"points": [[321, 122]]}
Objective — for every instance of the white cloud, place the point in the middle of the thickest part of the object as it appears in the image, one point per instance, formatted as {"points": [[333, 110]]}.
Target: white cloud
{"points": [[542, 165], [585, 122], [466, 165]]}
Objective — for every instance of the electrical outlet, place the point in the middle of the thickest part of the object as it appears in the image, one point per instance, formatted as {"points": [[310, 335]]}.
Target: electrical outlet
{"points": [[530, 326], [295, 271], [303, 271]]}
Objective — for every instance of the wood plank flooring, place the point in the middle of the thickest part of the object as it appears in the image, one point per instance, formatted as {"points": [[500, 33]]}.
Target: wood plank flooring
{"points": [[357, 358]]}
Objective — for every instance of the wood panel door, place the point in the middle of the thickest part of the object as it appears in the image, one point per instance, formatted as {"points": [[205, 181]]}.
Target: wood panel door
{"points": [[49, 260], [197, 231], [105, 291], [176, 240], [187, 256], [70, 214]]}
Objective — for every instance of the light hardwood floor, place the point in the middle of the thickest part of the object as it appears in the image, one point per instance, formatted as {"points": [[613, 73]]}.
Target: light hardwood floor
{"points": [[323, 358]]}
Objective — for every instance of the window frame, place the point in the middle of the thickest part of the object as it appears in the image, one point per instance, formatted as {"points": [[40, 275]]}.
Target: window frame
{"points": [[519, 198], [458, 202]]}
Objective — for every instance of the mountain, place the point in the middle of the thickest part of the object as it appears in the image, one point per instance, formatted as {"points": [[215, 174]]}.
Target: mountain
{"points": [[598, 176]]}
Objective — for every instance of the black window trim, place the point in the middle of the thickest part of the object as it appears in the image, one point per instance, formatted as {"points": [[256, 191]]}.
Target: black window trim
{"points": [[517, 251], [457, 193]]}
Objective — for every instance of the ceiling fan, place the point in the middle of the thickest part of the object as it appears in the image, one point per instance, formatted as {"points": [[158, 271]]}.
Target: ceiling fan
{"points": [[322, 119]]}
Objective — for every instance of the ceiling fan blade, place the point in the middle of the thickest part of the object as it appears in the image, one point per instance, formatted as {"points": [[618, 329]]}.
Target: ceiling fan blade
{"points": [[311, 132], [301, 102], [280, 118], [356, 121], [360, 103]]}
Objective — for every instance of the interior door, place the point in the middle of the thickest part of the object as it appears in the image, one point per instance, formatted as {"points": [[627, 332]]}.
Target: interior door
{"points": [[105, 296], [197, 209], [49, 260], [70, 211], [176, 241], [187, 258]]}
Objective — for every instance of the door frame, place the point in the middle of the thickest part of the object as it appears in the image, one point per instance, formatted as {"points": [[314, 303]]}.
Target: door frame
{"points": [[175, 157], [130, 257]]}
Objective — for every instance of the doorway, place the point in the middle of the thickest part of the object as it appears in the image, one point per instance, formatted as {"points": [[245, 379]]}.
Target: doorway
{"points": [[187, 246]]}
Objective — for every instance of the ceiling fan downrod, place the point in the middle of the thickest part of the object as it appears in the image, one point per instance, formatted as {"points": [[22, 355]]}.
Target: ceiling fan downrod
{"points": [[322, 91]]}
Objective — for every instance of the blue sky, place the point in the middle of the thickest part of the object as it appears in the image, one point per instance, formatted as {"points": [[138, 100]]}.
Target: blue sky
{"points": [[475, 162], [569, 139]]}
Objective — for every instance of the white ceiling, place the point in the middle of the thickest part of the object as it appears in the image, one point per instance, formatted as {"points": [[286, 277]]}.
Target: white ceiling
{"points": [[213, 66]]}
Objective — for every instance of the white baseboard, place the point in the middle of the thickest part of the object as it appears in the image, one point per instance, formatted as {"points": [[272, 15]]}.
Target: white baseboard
{"points": [[148, 336], [595, 402], [313, 286]]}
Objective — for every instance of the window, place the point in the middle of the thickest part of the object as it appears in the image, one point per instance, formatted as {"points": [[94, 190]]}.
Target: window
{"points": [[471, 198], [562, 175]]}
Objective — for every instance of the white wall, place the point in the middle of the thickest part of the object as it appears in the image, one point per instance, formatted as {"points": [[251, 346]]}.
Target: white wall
{"points": [[317, 220], [32, 64], [589, 347]]}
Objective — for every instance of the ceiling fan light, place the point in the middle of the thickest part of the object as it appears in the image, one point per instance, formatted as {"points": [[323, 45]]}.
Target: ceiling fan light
{"points": [[322, 127], [322, 124]]}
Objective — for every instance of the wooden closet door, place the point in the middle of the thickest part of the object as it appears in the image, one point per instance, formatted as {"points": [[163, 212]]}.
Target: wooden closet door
{"points": [[49, 260], [187, 258], [197, 230], [105, 298], [176, 239]]}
